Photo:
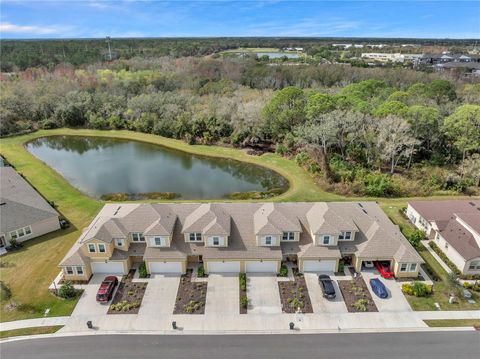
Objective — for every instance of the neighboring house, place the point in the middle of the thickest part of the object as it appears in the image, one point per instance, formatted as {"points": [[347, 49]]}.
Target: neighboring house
{"points": [[454, 226], [393, 57], [434, 59], [238, 237], [24, 213]]}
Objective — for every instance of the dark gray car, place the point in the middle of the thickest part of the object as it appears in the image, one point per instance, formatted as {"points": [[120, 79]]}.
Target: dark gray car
{"points": [[328, 289]]}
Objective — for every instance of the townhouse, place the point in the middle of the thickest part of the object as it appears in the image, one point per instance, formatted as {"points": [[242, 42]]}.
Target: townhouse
{"points": [[454, 225], [239, 237]]}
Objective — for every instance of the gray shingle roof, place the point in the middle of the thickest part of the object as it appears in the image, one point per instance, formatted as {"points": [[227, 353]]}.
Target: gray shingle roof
{"points": [[20, 205]]}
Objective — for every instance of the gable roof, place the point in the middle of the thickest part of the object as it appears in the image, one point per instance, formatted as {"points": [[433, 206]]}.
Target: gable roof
{"points": [[208, 218], [269, 219], [323, 219], [21, 205]]}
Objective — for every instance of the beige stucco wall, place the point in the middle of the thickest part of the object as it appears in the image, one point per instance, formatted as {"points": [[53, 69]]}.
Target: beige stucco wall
{"points": [[87, 273], [108, 249], [38, 229], [398, 274]]}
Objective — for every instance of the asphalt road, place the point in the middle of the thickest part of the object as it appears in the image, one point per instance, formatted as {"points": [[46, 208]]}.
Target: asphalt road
{"points": [[425, 345]]}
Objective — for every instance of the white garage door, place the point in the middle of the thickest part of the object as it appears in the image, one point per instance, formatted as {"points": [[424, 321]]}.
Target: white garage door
{"points": [[261, 267], [319, 266], [223, 267], [167, 267], [108, 268]]}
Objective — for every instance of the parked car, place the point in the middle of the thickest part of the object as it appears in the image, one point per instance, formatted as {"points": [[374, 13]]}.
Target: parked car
{"points": [[368, 264], [105, 292], [378, 288], [327, 286], [384, 269]]}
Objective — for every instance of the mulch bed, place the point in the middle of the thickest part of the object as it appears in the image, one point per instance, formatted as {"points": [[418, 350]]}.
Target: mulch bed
{"points": [[191, 296], [243, 293], [129, 296], [294, 294], [356, 291]]}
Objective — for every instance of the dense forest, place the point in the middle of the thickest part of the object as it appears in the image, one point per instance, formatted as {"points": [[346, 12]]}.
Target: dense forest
{"points": [[377, 132], [22, 54]]}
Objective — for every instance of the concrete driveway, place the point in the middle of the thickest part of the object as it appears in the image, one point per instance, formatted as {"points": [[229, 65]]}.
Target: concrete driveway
{"points": [[320, 304], [223, 294], [263, 294], [396, 301], [87, 304], [160, 295]]}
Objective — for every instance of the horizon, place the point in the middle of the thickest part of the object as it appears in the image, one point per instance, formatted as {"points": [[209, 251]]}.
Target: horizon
{"points": [[149, 19]]}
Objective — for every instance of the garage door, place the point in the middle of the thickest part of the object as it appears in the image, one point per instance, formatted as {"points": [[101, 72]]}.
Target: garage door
{"points": [[108, 268], [165, 267], [223, 267], [261, 267], [319, 265]]}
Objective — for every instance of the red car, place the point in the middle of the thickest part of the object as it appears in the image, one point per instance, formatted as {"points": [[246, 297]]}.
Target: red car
{"points": [[106, 289], [384, 269]]}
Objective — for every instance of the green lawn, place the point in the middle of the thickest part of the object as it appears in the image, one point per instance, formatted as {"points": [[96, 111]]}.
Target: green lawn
{"points": [[29, 271], [435, 323], [30, 331]]}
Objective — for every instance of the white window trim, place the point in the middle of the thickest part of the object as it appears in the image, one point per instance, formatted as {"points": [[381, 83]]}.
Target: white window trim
{"points": [[290, 236], [119, 242], [72, 270], [322, 239], [197, 237], [401, 267], [94, 248], [81, 269], [138, 237], [163, 241], [15, 234], [215, 238], [474, 265], [413, 269], [104, 248]]}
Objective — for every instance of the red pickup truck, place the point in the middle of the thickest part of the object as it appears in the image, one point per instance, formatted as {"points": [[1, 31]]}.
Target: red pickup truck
{"points": [[105, 292]]}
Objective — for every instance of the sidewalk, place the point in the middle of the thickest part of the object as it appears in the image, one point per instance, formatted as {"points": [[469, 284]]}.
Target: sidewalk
{"points": [[30, 323]]}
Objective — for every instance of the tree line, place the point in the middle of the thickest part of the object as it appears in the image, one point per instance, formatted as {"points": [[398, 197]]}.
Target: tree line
{"points": [[363, 131]]}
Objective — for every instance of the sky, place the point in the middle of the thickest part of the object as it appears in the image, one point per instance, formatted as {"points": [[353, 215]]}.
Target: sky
{"points": [[149, 18]]}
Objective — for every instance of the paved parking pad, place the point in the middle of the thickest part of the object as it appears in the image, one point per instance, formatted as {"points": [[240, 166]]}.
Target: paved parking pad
{"points": [[87, 304], [396, 301], [160, 295], [320, 304], [223, 294], [263, 294]]}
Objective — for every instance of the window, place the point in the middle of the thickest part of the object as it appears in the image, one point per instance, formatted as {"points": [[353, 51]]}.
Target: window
{"points": [[69, 270], [80, 270], [403, 267], [195, 237], [474, 265], [28, 230], [216, 241], [138, 237], [13, 235], [101, 248], [446, 245], [91, 248], [21, 232], [326, 240], [119, 242], [345, 236], [158, 241], [268, 240], [288, 236], [413, 267]]}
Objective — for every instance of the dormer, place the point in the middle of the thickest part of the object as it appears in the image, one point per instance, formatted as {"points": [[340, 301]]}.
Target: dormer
{"points": [[103, 238], [209, 224], [160, 232], [272, 226], [327, 227]]}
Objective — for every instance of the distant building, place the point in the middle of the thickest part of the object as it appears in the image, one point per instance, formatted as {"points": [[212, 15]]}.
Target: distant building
{"points": [[390, 57], [376, 46], [434, 59], [24, 213], [345, 46]]}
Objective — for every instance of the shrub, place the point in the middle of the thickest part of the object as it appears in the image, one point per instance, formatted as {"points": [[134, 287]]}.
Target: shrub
{"points": [[243, 281], [444, 258], [417, 289], [283, 271], [201, 272], [302, 158], [244, 301], [378, 185], [14, 243], [415, 237], [5, 291], [296, 303], [142, 270], [67, 290], [361, 305]]}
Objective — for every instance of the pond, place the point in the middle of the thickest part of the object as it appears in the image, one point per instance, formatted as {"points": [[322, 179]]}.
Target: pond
{"points": [[100, 166]]}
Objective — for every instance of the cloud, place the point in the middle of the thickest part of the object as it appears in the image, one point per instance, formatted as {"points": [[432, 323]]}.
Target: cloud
{"points": [[7, 27]]}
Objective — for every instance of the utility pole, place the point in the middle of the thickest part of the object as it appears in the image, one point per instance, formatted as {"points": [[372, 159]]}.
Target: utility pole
{"points": [[109, 49]]}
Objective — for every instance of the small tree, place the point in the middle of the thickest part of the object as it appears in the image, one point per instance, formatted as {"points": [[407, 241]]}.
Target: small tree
{"points": [[415, 238], [67, 290]]}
